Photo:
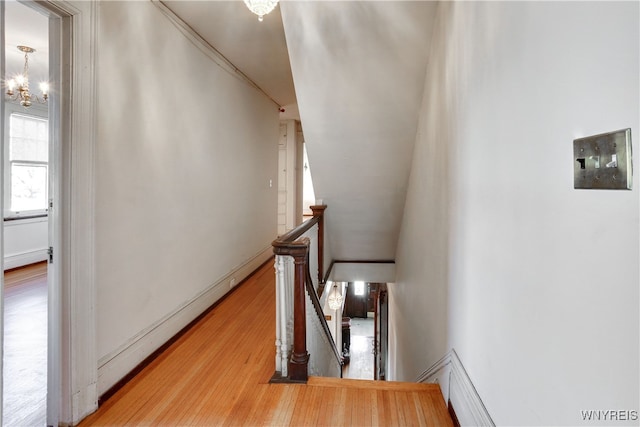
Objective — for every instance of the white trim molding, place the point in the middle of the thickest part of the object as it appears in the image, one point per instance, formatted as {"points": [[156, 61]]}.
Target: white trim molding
{"points": [[458, 389], [117, 364], [24, 258], [2, 60], [72, 364]]}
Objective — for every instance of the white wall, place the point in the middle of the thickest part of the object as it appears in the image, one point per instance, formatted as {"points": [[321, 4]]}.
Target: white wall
{"points": [[534, 284], [25, 242], [185, 152]]}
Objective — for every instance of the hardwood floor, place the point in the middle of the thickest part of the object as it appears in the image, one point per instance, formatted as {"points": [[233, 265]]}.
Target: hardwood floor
{"points": [[25, 346], [361, 361], [218, 374]]}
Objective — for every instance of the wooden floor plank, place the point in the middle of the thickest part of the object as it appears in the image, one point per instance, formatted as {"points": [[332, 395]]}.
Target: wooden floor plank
{"points": [[378, 385], [25, 345], [29, 273], [375, 409], [327, 401], [217, 374], [339, 409]]}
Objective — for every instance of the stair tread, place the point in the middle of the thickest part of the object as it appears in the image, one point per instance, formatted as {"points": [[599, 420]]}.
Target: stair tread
{"points": [[372, 384]]}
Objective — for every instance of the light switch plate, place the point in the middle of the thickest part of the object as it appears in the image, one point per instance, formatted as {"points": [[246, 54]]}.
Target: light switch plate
{"points": [[603, 161]]}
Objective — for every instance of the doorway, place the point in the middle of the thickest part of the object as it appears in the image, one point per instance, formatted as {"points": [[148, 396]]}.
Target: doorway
{"points": [[28, 181], [295, 187], [365, 331], [72, 346]]}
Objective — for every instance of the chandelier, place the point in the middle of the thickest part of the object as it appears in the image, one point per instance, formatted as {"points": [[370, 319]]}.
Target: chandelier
{"points": [[261, 7], [335, 298], [18, 87]]}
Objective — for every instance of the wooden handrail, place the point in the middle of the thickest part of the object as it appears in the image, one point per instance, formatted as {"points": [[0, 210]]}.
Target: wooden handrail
{"points": [[290, 244], [318, 212], [288, 240], [315, 300]]}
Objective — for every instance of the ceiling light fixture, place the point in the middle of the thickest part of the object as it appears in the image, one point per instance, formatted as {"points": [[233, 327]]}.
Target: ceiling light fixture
{"points": [[18, 87], [335, 298], [261, 7]]}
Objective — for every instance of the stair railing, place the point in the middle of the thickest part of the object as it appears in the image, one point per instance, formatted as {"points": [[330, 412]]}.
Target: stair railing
{"points": [[300, 321], [325, 361]]}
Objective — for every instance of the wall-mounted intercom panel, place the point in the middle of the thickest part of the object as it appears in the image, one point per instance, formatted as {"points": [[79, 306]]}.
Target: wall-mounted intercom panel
{"points": [[603, 161]]}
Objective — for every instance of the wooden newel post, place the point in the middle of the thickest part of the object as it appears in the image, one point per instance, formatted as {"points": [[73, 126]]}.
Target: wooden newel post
{"points": [[299, 357], [318, 211], [287, 245]]}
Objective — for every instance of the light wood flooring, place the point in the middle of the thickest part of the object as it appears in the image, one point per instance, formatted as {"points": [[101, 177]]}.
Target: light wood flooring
{"points": [[218, 374], [25, 346]]}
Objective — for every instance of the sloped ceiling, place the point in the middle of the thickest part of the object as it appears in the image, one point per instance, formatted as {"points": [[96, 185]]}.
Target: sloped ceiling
{"points": [[258, 49], [359, 70]]}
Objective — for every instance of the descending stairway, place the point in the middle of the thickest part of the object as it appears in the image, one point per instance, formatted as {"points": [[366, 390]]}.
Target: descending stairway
{"points": [[218, 373]]}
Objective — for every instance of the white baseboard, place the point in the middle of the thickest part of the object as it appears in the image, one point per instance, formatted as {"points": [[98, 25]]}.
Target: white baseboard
{"points": [[116, 365], [438, 373], [457, 387], [26, 258]]}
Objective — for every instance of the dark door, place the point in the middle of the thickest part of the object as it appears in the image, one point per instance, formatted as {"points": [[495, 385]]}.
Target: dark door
{"points": [[357, 301]]}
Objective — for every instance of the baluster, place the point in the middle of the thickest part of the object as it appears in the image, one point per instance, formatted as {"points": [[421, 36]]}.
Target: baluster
{"points": [[288, 326], [278, 266]]}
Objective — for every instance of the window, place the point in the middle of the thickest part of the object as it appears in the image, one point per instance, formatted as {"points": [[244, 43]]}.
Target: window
{"points": [[358, 288], [28, 166]]}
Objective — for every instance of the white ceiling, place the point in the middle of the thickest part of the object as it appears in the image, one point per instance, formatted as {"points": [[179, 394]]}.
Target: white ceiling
{"points": [[27, 27], [258, 49], [363, 272]]}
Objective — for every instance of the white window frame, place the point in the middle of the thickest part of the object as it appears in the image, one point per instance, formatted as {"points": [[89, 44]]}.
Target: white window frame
{"points": [[36, 111]]}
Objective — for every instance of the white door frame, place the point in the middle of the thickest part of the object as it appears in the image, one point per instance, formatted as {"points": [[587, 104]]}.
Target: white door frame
{"points": [[75, 220], [2, 70], [73, 367], [72, 299]]}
